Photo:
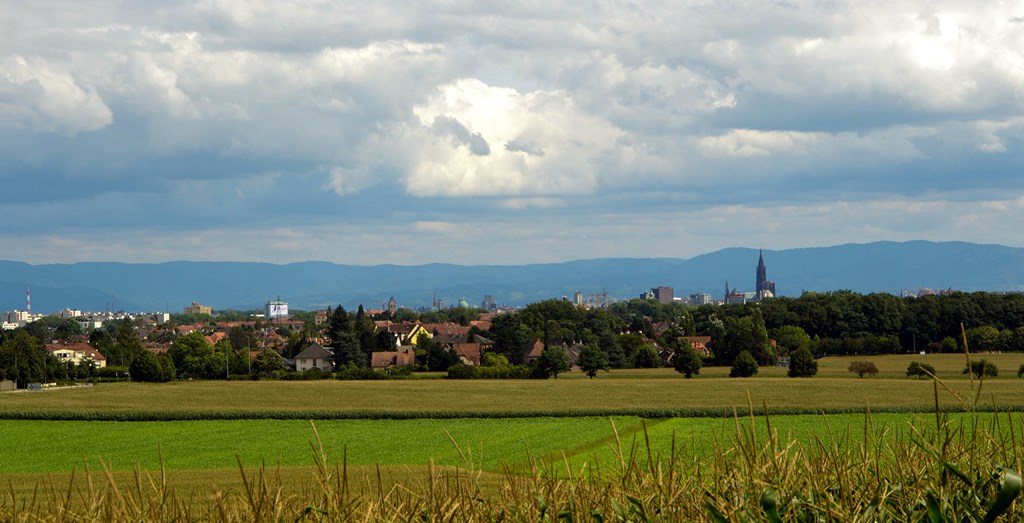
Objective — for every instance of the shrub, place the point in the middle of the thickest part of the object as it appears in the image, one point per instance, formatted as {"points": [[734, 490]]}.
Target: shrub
{"points": [[982, 368], [350, 373], [860, 368], [462, 371], [745, 366], [687, 362], [509, 372], [802, 364], [1020, 371], [921, 370], [112, 373]]}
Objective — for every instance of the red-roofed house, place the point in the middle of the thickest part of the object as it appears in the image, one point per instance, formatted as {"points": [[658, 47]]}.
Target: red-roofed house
{"points": [[533, 351], [76, 353], [699, 344], [405, 355], [469, 353]]}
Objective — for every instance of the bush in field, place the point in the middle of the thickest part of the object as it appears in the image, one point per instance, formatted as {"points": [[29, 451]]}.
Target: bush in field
{"points": [[1020, 371], [745, 366], [687, 362], [461, 371], [802, 364], [350, 373], [494, 359], [982, 368], [315, 374], [860, 368], [920, 370], [507, 372], [112, 372]]}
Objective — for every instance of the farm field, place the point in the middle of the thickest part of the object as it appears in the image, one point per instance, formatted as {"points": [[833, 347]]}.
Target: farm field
{"points": [[498, 433], [487, 444], [186, 450], [602, 396]]}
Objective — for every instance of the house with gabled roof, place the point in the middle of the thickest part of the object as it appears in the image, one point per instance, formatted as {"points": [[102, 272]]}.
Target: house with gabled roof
{"points": [[533, 351], [314, 357], [404, 355], [699, 344], [77, 353], [447, 328], [403, 333], [469, 353]]}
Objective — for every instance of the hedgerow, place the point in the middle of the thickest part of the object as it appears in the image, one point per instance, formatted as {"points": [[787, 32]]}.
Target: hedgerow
{"points": [[313, 414]]}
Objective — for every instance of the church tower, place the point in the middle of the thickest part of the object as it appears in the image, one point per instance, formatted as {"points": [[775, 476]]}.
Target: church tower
{"points": [[763, 287], [762, 274]]}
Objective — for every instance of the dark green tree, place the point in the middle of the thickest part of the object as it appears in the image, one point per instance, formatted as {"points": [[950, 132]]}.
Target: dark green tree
{"points": [[266, 363], [790, 338], [23, 360], [983, 339], [593, 359], [609, 344], [647, 357], [194, 357], [338, 323], [170, 373], [744, 366], [802, 364], [687, 362], [347, 352], [510, 337], [145, 367], [438, 358], [553, 361]]}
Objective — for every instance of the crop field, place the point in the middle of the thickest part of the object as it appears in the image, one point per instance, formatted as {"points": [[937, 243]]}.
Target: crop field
{"points": [[655, 392], [490, 444], [402, 443]]}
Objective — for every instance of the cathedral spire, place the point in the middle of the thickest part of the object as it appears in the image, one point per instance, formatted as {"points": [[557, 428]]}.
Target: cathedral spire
{"points": [[762, 274]]}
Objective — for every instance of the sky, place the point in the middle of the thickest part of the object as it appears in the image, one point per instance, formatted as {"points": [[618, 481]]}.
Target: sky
{"points": [[503, 132]]}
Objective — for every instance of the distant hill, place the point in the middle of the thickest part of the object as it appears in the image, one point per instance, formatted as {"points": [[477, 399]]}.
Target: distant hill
{"points": [[873, 267]]}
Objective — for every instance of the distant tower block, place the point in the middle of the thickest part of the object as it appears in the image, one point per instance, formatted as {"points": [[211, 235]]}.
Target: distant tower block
{"points": [[664, 295], [489, 303], [28, 300], [276, 309]]}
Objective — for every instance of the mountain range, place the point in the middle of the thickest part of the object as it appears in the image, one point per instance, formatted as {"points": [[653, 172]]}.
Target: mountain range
{"points": [[170, 286]]}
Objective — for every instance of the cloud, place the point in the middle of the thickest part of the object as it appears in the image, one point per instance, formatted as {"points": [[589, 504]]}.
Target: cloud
{"points": [[576, 144], [189, 116], [38, 96]]}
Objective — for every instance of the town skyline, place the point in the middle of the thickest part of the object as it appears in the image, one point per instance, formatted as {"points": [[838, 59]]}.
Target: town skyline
{"points": [[503, 134], [887, 267]]}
